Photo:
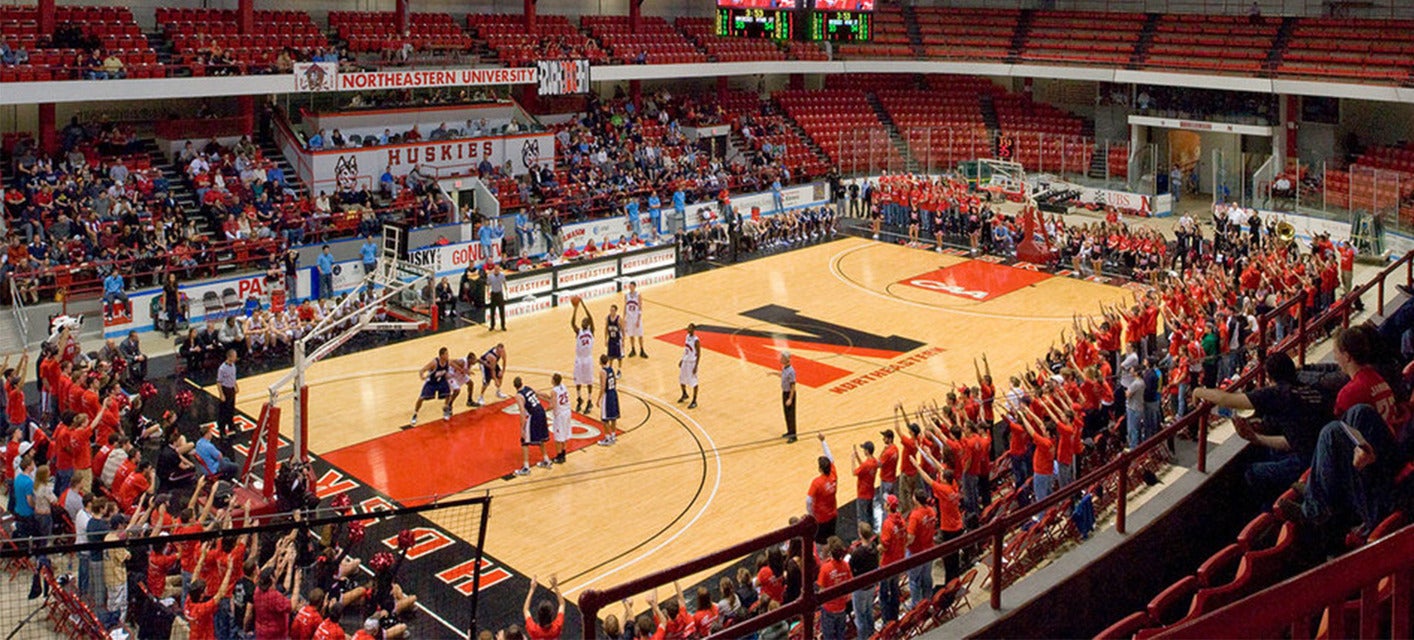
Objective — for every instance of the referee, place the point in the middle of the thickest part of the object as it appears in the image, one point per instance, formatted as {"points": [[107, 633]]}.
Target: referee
{"points": [[788, 395], [226, 379], [496, 282]]}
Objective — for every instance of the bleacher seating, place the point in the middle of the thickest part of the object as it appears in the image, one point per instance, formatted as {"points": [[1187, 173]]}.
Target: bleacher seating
{"points": [[1360, 50], [656, 40], [1212, 44], [942, 125], [366, 31], [890, 38], [703, 31], [555, 38], [843, 124], [1083, 37], [1118, 160], [193, 31], [112, 28], [806, 51], [1046, 138], [972, 34]]}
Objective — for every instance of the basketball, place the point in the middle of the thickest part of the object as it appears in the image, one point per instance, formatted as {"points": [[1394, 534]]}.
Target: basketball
{"points": [[576, 301]]}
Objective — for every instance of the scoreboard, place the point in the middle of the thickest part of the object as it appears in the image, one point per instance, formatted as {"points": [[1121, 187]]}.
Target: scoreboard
{"points": [[841, 26], [774, 24], [810, 20]]}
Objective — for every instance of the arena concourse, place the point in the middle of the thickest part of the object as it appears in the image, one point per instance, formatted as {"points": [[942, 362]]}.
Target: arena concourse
{"points": [[932, 318]]}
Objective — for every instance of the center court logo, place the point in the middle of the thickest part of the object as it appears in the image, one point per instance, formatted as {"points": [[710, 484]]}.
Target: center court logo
{"points": [[977, 280], [804, 334]]}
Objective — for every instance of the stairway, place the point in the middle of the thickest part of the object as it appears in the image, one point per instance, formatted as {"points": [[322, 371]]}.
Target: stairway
{"points": [[989, 117], [804, 135], [1146, 40], [176, 183], [272, 152], [1279, 46], [1099, 160], [1021, 35], [911, 164], [915, 36]]}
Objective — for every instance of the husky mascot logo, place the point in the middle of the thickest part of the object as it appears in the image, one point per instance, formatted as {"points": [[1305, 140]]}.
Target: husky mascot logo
{"points": [[530, 153], [346, 171]]}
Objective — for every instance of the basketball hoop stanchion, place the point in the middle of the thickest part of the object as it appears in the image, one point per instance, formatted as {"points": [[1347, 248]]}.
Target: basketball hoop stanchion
{"points": [[381, 293]]}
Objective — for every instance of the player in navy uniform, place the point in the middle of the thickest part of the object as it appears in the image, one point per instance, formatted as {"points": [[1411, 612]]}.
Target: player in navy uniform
{"points": [[613, 335], [534, 428], [608, 400], [493, 366], [435, 385]]}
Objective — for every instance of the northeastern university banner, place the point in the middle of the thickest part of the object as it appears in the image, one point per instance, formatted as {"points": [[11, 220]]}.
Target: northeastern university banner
{"points": [[327, 77]]}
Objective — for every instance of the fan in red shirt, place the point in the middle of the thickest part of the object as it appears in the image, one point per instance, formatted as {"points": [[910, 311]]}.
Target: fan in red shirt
{"points": [[834, 570], [547, 623], [949, 511], [864, 472], [922, 528], [820, 502], [329, 628], [888, 464], [308, 618], [200, 611], [674, 623], [707, 618], [908, 451], [1356, 350], [893, 543]]}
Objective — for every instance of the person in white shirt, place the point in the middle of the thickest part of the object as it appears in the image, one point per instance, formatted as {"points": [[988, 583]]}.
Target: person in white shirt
{"points": [[687, 366], [560, 416], [583, 354]]}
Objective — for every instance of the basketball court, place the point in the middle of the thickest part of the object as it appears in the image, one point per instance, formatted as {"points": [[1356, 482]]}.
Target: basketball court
{"points": [[868, 324]]}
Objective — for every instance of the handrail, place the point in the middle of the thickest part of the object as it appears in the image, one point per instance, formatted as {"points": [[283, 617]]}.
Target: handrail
{"points": [[258, 249], [592, 600], [17, 306], [1267, 613], [996, 530]]}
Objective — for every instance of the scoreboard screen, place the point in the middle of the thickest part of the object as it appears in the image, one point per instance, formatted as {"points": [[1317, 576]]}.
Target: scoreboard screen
{"points": [[840, 26], [772, 24]]}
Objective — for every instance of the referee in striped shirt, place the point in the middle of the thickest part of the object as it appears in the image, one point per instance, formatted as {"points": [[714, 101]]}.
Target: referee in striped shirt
{"points": [[226, 379], [788, 395]]}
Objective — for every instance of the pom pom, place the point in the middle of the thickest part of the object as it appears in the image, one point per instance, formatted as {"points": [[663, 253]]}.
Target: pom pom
{"points": [[406, 539], [183, 399], [357, 531], [148, 391], [341, 503], [382, 561], [119, 365]]}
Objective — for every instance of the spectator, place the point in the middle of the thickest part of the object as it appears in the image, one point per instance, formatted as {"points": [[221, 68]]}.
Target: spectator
{"points": [[864, 557], [212, 462], [325, 264], [922, 526], [834, 570], [113, 290], [131, 351], [547, 623]]}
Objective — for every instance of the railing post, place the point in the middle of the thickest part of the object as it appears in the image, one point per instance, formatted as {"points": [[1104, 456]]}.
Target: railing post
{"points": [[1122, 499], [1301, 333], [997, 540], [1262, 325], [1381, 302], [1202, 439], [807, 617]]}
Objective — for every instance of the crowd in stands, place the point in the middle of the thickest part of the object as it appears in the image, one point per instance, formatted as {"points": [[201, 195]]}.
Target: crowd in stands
{"points": [[92, 465]]}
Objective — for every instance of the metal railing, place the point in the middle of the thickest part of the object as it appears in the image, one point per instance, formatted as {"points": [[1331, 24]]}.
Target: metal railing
{"points": [[1116, 473], [17, 306]]}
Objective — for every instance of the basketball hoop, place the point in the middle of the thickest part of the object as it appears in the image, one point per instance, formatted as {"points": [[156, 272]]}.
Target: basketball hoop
{"points": [[396, 296]]}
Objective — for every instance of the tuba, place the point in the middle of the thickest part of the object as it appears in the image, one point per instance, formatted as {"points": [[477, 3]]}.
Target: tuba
{"points": [[1286, 232]]}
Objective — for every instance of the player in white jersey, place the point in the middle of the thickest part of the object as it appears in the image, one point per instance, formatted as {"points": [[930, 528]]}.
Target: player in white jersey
{"points": [[560, 416], [687, 366], [633, 320], [458, 376], [583, 354]]}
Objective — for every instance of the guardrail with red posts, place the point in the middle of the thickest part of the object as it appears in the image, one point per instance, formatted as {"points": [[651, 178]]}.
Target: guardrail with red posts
{"points": [[84, 278], [1118, 473]]}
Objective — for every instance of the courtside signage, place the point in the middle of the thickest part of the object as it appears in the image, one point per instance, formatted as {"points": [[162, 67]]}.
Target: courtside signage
{"points": [[646, 261], [566, 277], [529, 285]]}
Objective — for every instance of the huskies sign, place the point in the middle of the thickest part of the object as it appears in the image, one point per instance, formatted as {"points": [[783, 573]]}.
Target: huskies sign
{"points": [[435, 158]]}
